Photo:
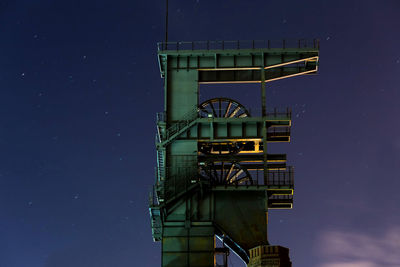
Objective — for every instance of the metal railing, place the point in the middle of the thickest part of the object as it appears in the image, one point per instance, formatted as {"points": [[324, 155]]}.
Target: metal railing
{"points": [[281, 178], [160, 168], [279, 113], [155, 215], [281, 197], [179, 125], [196, 113], [178, 178], [161, 116], [239, 44], [153, 200], [276, 178], [278, 131], [181, 179]]}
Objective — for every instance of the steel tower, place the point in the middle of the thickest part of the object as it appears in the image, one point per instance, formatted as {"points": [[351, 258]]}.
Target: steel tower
{"points": [[214, 177]]}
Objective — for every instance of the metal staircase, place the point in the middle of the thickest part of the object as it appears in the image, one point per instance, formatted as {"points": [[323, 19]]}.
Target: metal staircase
{"points": [[176, 129], [155, 216], [160, 164]]}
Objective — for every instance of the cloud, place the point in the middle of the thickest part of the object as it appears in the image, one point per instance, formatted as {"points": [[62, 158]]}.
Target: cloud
{"points": [[353, 249], [350, 264]]}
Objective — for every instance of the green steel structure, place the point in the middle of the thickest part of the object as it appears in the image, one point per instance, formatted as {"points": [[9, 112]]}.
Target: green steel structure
{"points": [[214, 177]]}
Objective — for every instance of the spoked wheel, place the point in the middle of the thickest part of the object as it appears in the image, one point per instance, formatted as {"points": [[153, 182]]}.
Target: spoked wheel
{"points": [[226, 173], [223, 108]]}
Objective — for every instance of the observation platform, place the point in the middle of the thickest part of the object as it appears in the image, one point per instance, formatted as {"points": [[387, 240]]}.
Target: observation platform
{"points": [[194, 126], [240, 61]]}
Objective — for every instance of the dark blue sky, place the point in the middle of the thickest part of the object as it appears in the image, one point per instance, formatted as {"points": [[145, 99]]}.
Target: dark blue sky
{"points": [[79, 89]]}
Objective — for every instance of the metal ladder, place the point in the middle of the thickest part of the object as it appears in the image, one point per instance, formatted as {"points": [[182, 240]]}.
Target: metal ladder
{"points": [[160, 164]]}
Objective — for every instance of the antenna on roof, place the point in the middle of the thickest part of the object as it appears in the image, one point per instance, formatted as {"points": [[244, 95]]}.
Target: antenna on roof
{"points": [[166, 24]]}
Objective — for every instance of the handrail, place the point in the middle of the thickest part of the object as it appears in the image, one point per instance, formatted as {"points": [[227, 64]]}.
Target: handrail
{"points": [[273, 131], [239, 44], [281, 178], [161, 116], [253, 112], [273, 112], [195, 113], [177, 126]]}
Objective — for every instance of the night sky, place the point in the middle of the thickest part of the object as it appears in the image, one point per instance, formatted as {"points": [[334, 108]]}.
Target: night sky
{"points": [[79, 89]]}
